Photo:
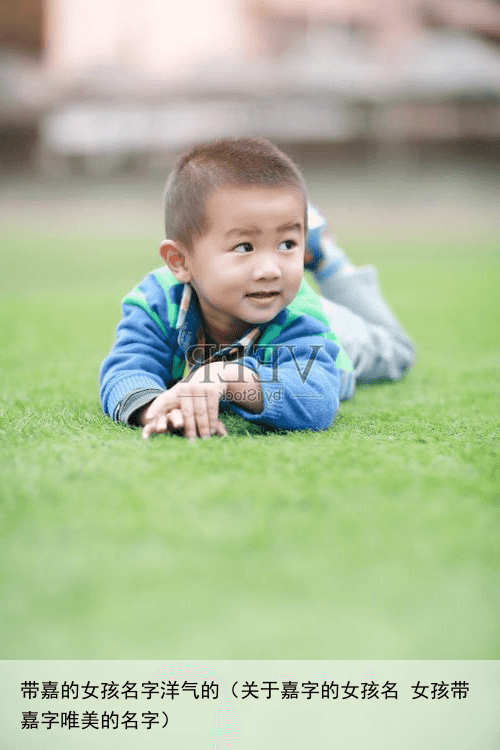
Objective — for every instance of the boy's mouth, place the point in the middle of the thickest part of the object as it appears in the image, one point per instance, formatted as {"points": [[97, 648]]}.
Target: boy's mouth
{"points": [[262, 295]]}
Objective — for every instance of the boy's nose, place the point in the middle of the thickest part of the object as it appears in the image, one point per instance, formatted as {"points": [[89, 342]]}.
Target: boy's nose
{"points": [[267, 267]]}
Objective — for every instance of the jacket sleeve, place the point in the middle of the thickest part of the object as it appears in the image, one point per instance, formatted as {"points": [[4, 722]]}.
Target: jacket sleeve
{"points": [[141, 362], [138, 361], [301, 387]]}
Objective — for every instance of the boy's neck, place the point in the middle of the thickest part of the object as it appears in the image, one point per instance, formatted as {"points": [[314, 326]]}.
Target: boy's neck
{"points": [[225, 337], [218, 328]]}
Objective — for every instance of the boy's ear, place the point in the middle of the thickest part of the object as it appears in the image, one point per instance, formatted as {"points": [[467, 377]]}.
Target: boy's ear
{"points": [[175, 258]]}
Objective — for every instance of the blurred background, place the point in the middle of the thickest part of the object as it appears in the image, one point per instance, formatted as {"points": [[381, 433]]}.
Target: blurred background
{"points": [[113, 85], [353, 89]]}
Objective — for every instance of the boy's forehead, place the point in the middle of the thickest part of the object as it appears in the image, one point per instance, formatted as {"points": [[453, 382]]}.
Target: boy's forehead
{"points": [[231, 207]]}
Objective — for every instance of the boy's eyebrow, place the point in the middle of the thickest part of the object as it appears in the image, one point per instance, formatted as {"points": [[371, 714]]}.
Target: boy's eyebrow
{"points": [[294, 226]]}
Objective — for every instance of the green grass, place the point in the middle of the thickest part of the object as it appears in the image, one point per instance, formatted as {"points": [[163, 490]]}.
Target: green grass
{"points": [[376, 539]]}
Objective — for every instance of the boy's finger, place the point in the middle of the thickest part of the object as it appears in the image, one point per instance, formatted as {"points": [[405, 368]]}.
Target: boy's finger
{"points": [[187, 409], [149, 429], [220, 429], [201, 415], [176, 419], [213, 410], [161, 424], [156, 426]]}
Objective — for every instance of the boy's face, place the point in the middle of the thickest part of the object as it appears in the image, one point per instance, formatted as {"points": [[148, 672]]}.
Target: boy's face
{"points": [[249, 264]]}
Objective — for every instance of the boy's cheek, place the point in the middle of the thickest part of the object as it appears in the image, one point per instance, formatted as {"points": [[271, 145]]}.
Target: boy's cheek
{"points": [[294, 288]]}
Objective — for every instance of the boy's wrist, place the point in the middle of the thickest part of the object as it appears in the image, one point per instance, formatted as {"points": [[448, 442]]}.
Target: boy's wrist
{"points": [[221, 374], [236, 383], [242, 387]]}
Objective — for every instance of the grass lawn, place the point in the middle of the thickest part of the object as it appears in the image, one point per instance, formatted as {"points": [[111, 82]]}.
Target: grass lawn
{"points": [[377, 539]]}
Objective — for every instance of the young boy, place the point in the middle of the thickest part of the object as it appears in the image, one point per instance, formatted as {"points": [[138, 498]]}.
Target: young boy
{"points": [[230, 321]]}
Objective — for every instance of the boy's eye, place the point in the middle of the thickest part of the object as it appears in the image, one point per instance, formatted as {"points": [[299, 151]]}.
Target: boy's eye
{"points": [[287, 245], [244, 247]]}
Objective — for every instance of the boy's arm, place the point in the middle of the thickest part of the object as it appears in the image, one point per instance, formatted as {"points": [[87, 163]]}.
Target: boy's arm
{"points": [[301, 388], [139, 366]]}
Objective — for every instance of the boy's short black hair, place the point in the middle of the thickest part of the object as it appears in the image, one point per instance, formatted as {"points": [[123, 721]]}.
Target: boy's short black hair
{"points": [[237, 162]]}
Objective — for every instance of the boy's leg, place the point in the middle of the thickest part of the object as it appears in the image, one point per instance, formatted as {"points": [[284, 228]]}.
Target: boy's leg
{"points": [[356, 310], [375, 350]]}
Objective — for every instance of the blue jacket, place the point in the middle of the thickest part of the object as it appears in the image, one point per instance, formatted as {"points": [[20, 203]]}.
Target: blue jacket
{"points": [[302, 369]]}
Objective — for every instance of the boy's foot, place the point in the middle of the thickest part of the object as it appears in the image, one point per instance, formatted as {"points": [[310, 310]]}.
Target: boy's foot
{"points": [[322, 256]]}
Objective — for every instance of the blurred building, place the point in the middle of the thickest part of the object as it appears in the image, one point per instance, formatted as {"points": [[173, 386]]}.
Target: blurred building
{"points": [[102, 84]]}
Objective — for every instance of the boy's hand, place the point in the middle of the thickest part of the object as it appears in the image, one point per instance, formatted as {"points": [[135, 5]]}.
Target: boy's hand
{"points": [[191, 407], [174, 422]]}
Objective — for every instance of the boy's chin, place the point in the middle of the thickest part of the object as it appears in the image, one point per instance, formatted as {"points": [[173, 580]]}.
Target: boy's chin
{"points": [[263, 318]]}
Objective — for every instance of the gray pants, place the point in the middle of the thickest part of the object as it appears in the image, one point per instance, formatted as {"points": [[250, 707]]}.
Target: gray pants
{"points": [[375, 342]]}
